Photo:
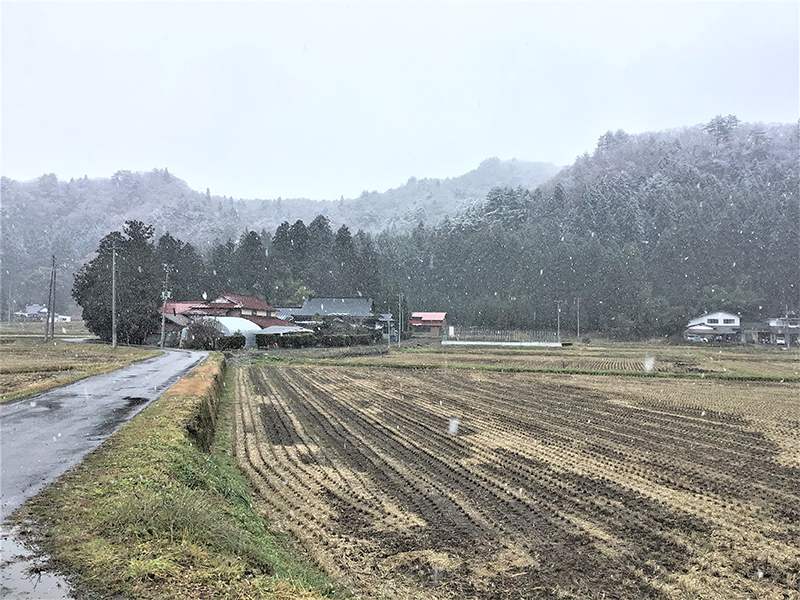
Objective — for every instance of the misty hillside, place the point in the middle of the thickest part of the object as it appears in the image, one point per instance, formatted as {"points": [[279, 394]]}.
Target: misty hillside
{"points": [[46, 216], [648, 230]]}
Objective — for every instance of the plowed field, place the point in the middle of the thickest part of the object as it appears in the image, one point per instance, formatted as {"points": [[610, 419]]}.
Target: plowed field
{"points": [[551, 486]]}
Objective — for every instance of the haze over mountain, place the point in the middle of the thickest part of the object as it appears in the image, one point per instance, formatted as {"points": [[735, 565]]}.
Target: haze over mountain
{"points": [[46, 216]]}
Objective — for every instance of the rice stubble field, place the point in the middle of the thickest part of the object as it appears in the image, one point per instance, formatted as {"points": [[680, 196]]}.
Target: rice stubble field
{"points": [[437, 483]]}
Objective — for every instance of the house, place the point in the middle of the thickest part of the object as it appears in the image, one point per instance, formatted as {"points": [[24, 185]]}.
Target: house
{"points": [[785, 330], [714, 326], [357, 310], [231, 312], [227, 304], [33, 312], [429, 322]]}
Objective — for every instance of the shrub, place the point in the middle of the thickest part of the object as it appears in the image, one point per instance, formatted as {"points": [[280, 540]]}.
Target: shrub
{"points": [[201, 335], [231, 342]]}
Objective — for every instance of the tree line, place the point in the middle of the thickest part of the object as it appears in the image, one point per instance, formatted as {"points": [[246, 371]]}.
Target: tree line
{"points": [[285, 268], [648, 230]]}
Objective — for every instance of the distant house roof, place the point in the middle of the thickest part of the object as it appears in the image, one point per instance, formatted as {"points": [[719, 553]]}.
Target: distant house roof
{"points": [[286, 312], [240, 301], [36, 309], [428, 318], [269, 321], [339, 307], [218, 307], [179, 308], [178, 319], [282, 330]]}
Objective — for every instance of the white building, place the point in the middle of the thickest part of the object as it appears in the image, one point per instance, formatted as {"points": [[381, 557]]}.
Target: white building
{"points": [[714, 326]]}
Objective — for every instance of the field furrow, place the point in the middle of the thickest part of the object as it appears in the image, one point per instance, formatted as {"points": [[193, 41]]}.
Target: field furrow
{"points": [[459, 484]]}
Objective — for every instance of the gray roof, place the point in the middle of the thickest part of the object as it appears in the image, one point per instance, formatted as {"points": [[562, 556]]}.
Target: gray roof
{"points": [[340, 307], [286, 312]]}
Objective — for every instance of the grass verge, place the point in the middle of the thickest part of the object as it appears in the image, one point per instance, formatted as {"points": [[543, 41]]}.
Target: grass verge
{"points": [[151, 514], [31, 366]]}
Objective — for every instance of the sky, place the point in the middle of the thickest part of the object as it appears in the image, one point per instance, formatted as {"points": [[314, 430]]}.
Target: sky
{"points": [[322, 100]]}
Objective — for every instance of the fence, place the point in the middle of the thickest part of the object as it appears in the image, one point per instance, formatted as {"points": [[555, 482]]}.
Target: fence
{"points": [[478, 335]]}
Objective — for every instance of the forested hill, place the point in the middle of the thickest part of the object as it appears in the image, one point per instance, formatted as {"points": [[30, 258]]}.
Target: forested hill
{"points": [[46, 216], [647, 230]]}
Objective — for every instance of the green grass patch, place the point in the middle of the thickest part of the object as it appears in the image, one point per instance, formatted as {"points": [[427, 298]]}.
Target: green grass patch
{"points": [[151, 514]]}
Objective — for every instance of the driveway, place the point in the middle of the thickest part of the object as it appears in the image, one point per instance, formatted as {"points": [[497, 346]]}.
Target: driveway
{"points": [[42, 436]]}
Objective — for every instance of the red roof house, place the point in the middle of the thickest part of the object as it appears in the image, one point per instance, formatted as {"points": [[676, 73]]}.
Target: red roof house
{"points": [[229, 305], [428, 322]]}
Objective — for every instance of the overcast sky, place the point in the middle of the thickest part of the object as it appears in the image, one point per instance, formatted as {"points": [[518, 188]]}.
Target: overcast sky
{"points": [[260, 100]]}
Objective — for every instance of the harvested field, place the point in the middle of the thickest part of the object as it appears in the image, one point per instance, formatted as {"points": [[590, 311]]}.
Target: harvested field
{"points": [[553, 485], [29, 366], [733, 362]]}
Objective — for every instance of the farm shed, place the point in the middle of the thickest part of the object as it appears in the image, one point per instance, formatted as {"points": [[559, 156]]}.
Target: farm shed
{"points": [[428, 322], [231, 325]]}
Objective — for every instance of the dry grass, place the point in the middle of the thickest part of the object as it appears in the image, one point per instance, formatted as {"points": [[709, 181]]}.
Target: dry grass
{"points": [[149, 515], [29, 366]]}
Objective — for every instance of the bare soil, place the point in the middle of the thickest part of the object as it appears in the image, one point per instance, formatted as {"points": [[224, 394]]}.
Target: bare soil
{"points": [[553, 486]]}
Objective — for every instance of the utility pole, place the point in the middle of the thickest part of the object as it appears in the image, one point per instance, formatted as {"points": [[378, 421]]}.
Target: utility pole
{"points": [[114, 296], [52, 314], [399, 318], [164, 294], [578, 300], [50, 302], [558, 304]]}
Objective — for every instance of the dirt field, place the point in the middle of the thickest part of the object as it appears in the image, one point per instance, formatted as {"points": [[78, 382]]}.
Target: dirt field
{"points": [[567, 486]]}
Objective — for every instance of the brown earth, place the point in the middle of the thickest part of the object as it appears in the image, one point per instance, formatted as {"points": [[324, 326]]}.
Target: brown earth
{"points": [[553, 486]]}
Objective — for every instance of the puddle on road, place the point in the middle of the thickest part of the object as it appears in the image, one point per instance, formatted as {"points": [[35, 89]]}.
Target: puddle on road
{"points": [[21, 574], [135, 401], [45, 404], [118, 416]]}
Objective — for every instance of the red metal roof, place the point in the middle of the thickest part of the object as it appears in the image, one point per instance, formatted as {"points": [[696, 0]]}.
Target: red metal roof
{"points": [[241, 301], [179, 308], [428, 316]]}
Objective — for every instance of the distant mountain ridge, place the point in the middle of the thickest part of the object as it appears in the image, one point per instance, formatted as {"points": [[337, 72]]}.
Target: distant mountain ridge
{"points": [[47, 216]]}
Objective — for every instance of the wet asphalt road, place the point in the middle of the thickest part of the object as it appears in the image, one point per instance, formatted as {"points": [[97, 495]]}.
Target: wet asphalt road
{"points": [[42, 436]]}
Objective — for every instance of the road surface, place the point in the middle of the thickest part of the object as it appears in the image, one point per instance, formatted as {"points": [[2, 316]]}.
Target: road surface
{"points": [[42, 436]]}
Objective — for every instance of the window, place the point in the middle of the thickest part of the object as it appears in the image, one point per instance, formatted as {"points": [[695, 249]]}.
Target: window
{"points": [[713, 321], [729, 321]]}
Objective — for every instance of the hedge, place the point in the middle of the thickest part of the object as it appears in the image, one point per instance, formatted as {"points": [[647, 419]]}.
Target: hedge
{"points": [[267, 340], [306, 340], [231, 342]]}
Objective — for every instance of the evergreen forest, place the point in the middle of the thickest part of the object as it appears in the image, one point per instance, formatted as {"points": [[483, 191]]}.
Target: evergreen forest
{"points": [[647, 231]]}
